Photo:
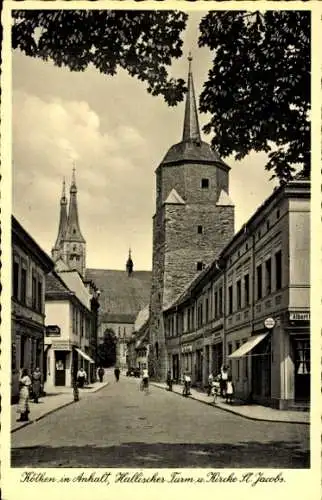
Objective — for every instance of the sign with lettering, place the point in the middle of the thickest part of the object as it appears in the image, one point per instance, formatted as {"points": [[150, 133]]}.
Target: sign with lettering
{"points": [[52, 331], [186, 348], [299, 316]]}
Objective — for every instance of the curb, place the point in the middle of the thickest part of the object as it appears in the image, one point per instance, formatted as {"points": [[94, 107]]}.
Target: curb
{"points": [[230, 410], [53, 410]]}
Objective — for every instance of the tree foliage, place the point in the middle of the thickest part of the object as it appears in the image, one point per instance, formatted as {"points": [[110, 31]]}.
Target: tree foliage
{"points": [[258, 90], [106, 352], [141, 42]]}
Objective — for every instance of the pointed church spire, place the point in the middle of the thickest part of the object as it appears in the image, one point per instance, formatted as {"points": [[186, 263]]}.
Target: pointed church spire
{"points": [[191, 131], [129, 264], [73, 230], [62, 217]]}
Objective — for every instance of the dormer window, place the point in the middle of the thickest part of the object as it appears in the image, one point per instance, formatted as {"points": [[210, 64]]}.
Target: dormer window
{"points": [[204, 183]]}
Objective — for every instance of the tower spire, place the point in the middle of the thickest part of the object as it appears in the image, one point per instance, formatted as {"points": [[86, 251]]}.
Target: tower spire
{"points": [[129, 264], [62, 227], [73, 232], [191, 130]]}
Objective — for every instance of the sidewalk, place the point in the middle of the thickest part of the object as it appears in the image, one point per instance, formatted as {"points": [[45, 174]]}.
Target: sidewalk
{"points": [[56, 398], [252, 412]]}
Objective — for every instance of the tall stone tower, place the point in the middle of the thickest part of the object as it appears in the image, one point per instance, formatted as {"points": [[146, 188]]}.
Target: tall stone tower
{"points": [[194, 220], [70, 244]]}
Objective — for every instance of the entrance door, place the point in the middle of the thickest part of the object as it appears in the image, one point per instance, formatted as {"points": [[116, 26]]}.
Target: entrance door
{"points": [[60, 368], [302, 368], [175, 367], [261, 369]]}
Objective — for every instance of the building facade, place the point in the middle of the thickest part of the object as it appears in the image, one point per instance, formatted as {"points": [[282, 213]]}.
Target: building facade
{"points": [[30, 265], [194, 220], [250, 308], [69, 329]]}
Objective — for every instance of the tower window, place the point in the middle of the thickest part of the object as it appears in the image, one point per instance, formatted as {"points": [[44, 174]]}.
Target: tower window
{"points": [[200, 229], [199, 266], [74, 231], [205, 183]]}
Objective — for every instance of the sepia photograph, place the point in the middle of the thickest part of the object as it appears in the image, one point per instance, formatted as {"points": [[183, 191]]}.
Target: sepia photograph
{"points": [[160, 240]]}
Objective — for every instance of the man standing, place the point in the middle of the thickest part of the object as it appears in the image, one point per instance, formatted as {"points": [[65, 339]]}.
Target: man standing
{"points": [[36, 384], [101, 373], [210, 383], [117, 373], [81, 377]]}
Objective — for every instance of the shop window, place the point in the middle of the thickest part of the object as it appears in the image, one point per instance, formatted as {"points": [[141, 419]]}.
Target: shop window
{"points": [[259, 281], [204, 183], [230, 299], [246, 289], [15, 275], [268, 276], [238, 288], [278, 270]]}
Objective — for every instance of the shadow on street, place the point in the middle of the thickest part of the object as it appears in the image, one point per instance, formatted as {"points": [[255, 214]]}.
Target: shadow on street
{"points": [[165, 455]]}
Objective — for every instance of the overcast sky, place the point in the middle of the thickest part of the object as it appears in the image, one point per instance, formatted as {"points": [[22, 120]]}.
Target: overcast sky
{"points": [[118, 134]]}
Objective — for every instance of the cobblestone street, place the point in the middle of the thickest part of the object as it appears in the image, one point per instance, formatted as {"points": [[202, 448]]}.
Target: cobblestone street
{"points": [[120, 426]]}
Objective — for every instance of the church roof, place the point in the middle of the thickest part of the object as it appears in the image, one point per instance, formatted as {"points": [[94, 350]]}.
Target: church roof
{"points": [[192, 148], [121, 295]]}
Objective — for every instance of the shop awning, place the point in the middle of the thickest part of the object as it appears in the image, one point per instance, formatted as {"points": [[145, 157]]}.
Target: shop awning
{"points": [[84, 355], [248, 346]]}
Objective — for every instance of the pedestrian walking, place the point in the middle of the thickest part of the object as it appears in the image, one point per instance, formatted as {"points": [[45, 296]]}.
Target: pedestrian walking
{"points": [[145, 380], [169, 381], [210, 382], [36, 378], [24, 390], [223, 380], [81, 377], [229, 390], [186, 384], [117, 373], [101, 373]]}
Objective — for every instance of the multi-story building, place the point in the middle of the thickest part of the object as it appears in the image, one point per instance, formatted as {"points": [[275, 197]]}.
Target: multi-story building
{"points": [[250, 308], [138, 343], [194, 220], [30, 264], [69, 329]]}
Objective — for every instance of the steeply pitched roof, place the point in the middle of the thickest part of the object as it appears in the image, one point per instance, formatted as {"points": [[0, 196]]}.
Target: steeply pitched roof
{"points": [[55, 284], [121, 294], [142, 318], [75, 283], [174, 198]]}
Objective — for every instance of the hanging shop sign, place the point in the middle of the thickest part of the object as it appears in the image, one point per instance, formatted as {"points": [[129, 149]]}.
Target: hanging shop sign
{"points": [[186, 348], [269, 323], [299, 316], [52, 331]]}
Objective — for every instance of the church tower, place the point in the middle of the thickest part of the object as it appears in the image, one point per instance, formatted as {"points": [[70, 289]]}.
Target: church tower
{"points": [[194, 220], [57, 251], [129, 264], [70, 244]]}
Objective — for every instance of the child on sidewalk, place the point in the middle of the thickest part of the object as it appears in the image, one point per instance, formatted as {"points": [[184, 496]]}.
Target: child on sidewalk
{"points": [[216, 389], [230, 390]]}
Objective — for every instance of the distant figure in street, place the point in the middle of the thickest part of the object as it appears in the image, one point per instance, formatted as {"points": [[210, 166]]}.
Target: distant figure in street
{"points": [[210, 382], [117, 374], [36, 384], [229, 390], [216, 388], [101, 373], [81, 377], [145, 379], [169, 381], [24, 388], [223, 380], [186, 384]]}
